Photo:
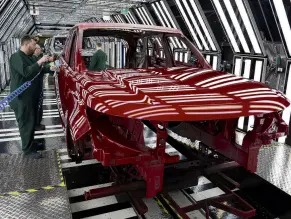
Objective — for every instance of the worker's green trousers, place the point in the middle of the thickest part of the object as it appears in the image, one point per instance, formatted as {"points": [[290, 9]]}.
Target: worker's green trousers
{"points": [[25, 113]]}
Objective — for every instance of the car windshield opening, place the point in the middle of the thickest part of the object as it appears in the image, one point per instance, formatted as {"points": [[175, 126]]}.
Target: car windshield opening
{"points": [[139, 49]]}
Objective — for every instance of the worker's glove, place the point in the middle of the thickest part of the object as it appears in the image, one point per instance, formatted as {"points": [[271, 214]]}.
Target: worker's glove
{"points": [[54, 68], [43, 60], [51, 59]]}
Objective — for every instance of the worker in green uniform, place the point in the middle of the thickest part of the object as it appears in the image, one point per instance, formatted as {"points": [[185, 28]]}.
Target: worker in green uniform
{"points": [[38, 126], [23, 68], [99, 59]]}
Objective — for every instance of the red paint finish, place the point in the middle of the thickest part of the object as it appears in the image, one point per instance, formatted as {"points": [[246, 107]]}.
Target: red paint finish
{"points": [[109, 106]]}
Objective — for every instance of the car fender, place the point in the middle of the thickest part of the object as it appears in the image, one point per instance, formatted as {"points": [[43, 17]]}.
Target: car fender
{"points": [[77, 116]]}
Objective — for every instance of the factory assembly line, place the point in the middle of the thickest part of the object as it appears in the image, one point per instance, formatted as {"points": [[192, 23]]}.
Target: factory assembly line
{"points": [[152, 109], [104, 113]]}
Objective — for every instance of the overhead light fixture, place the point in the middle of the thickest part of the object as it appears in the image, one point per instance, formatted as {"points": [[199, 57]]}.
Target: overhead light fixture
{"points": [[129, 19], [130, 15], [141, 16], [168, 20], [163, 15], [168, 14], [144, 17], [106, 18], [147, 16], [226, 26], [247, 69], [248, 25], [203, 25], [215, 62], [285, 25], [189, 25], [208, 58], [237, 26], [163, 23], [195, 25], [258, 70], [237, 66]]}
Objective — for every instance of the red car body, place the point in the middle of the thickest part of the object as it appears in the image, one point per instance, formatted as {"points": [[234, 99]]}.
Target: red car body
{"points": [[99, 109]]}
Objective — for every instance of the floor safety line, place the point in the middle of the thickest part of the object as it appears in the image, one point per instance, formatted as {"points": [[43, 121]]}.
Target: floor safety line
{"points": [[49, 187]]}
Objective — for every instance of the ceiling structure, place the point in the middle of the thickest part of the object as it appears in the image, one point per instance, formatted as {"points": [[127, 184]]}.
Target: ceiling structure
{"points": [[52, 16]]}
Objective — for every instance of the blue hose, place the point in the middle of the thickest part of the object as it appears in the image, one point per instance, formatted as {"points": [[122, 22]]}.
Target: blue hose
{"points": [[17, 92], [20, 90], [13, 95]]}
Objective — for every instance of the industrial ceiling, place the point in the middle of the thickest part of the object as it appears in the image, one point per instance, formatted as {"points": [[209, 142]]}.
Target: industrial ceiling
{"points": [[18, 17]]}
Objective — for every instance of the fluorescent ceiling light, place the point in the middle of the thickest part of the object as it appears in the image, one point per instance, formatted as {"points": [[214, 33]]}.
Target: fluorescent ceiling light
{"points": [[168, 14], [186, 57], [247, 70], [258, 70], [150, 21], [168, 18], [215, 62], [189, 25], [194, 6], [208, 58], [158, 14], [237, 26], [285, 25], [177, 43], [162, 13], [176, 56], [195, 24], [132, 17], [237, 67], [129, 19], [141, 12], [181, 57], [248, 25], [163, 23], [138, 13], [226, 25]]}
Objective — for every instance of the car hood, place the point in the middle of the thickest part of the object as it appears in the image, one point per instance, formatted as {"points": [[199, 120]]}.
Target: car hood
{"points": [[177, 94]]}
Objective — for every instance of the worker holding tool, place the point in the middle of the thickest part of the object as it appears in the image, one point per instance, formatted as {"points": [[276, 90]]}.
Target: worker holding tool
{"points": [[38, 126], [23, 68]]}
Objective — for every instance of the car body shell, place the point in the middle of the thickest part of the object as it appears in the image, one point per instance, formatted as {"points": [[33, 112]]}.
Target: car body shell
{"points": [[156, 94]]}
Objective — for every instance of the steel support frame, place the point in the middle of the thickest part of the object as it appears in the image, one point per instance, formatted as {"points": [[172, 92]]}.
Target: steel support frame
{"points": [[175, 180], [215, 202]]}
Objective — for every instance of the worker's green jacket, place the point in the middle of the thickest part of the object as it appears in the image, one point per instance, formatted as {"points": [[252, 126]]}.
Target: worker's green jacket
{"points": [[23, 68], [98, 61]]}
